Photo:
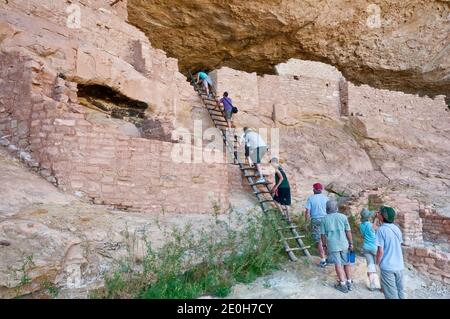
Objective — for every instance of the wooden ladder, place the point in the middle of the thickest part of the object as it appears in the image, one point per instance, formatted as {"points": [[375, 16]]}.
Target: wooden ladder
{"points": [[288, 231]]}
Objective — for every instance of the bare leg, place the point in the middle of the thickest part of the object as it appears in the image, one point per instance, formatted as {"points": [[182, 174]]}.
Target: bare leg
{"points": [[206, 85], [229, 123], [348, 271], [286, 212], [249, 160], [321, 250], [340, 273], [258, 167]]}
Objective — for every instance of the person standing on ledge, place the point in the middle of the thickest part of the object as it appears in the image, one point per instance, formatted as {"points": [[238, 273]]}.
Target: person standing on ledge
{"points": [[389, 254], [257, 150], [225, 101], [281, 191], [337, 239], [206, 80], [315, 209]]}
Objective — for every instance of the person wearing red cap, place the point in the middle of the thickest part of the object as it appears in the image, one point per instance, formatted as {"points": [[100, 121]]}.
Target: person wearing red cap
{"points": [[316, 210]]}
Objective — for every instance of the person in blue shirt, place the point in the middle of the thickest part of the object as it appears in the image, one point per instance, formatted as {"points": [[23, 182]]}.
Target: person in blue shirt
{"points": [[389, 254], [369, 248], [206, 80], [316, 210]]}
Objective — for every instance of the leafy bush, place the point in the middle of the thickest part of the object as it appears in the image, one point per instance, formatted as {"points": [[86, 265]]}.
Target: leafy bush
{"points": [[192, 264]]}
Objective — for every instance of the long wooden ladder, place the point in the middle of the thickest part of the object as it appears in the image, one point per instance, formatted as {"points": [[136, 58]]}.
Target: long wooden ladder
{"points": [[288, 231]]}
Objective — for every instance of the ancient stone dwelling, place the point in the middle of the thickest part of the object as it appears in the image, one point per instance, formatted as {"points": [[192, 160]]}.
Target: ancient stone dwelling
{"points": [[90, 105]]}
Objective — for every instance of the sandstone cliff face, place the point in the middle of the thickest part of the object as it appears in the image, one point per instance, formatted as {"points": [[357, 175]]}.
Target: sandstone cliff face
{"points": [[355, 137], [405, 47]]}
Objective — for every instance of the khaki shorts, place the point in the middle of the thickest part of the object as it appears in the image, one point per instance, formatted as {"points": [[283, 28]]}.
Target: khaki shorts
{"points": [[228, 114], [338, 258], [257, 154], [315, 228]]}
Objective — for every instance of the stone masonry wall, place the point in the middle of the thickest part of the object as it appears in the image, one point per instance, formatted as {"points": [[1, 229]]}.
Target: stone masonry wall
{"points": [[429, 261], [284, 99], [96, 160], [15, 89], [82, 151], [394, 111], [436, 227]]}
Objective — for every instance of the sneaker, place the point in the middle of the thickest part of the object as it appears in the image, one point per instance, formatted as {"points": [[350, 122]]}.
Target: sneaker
{"points": [[261, 180], [350, 285], [341, 288], [323, 264], [373, 286]]}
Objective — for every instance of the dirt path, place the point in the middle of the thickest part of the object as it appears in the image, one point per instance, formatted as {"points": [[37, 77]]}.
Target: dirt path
{"points": [[304, 280]]}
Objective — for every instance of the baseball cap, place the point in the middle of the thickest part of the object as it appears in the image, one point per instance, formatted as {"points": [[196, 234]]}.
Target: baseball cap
{"points": [[388, 213], [318, 186]]}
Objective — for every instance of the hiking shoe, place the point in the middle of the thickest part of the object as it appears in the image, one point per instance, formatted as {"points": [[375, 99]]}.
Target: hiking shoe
{"points": [[350, 285], [261, 180], [373, 286], [341, 288], [323, 264]]}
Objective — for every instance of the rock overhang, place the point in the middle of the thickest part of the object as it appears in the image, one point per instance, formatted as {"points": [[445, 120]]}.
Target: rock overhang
{"points": [[407, 51]]}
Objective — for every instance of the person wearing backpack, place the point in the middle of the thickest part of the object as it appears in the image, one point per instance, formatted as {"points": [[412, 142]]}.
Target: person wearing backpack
{"points": [[228, 108], [389, 254]]}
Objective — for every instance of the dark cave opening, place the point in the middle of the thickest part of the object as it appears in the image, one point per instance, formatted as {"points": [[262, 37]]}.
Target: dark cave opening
{"points": [[106, 100]]}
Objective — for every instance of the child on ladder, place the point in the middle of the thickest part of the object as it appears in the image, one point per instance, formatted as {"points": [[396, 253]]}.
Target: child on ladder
{"points": [[281, 191]]}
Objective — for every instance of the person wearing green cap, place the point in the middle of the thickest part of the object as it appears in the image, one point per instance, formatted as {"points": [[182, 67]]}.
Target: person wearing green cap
{"points": [[389, 254], [369, 248]]}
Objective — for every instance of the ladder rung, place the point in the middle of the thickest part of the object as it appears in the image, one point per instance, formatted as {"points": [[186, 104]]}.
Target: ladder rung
{"points": [[246, 175], [296, 237], [288, 227], [217, 120], [266, 201], [298, 248], [262, 192], [248, 168], [264, 183]]}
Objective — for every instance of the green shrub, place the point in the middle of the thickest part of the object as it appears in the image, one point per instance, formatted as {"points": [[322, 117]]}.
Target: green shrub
{"points": [[193, 264]]}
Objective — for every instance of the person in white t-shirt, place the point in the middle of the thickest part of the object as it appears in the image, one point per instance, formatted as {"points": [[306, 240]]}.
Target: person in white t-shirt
{"points": [[257, 149]]}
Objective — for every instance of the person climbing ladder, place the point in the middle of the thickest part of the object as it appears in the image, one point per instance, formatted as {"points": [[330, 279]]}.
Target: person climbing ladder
{"points": [[281, 190], [206, 80], [227, 104], [257, 150]]}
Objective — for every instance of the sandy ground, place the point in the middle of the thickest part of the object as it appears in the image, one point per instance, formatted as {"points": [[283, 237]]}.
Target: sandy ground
{"points": [[305, 280]]}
